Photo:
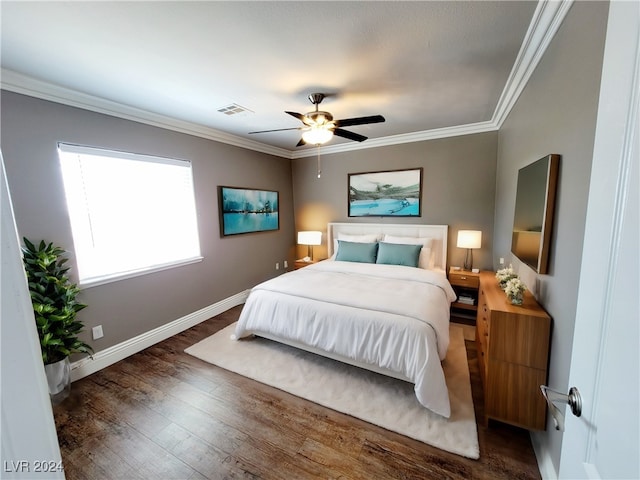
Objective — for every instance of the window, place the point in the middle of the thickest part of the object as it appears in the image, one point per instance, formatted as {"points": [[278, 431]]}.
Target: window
{"points": [[130, 214]]}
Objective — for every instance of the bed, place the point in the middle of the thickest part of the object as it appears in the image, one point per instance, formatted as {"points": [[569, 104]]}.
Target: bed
{"points": [[388, 317]]}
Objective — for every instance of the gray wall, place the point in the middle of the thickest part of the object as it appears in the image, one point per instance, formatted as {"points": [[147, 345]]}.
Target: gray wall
{"points": [[464, 187], [458, 188], [556, 113], [31, 129]]}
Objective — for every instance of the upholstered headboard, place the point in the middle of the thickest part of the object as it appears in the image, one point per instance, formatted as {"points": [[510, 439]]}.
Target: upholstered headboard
{"points": [[436, 232]]}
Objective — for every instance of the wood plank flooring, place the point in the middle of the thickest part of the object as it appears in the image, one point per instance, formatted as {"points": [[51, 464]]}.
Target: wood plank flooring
{"points": [[162, 414]]}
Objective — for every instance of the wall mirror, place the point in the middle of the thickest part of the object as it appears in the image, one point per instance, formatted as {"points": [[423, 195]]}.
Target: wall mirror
{"points": [[533, 217]]}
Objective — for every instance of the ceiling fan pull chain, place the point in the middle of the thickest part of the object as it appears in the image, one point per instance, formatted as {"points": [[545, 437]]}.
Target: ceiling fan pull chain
{"points": [[319, 169]]}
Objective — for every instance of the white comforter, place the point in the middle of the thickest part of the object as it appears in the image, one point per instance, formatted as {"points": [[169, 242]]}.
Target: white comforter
{"points": [[385, 315]]}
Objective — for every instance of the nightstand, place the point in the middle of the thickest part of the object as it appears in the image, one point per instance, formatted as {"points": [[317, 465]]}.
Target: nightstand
{"points": [[298, 264], [466, 285]]}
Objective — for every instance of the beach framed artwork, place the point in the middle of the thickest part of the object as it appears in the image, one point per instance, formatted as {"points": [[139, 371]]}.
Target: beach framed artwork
{"points": [[246, 210], [393, 193]]}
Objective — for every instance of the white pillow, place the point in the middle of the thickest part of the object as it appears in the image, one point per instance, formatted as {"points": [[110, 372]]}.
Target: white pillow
{"points": [[368, 238], [426, 258]]}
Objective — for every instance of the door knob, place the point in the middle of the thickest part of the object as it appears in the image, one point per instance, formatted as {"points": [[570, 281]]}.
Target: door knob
{"points": [[573, 399]]}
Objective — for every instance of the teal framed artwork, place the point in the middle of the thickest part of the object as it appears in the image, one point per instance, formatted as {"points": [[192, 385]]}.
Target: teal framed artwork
{"points": [[393, 193], [244, 210]]}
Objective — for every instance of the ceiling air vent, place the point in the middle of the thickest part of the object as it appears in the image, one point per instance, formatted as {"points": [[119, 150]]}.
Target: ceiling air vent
{"points": [[234, 109]]}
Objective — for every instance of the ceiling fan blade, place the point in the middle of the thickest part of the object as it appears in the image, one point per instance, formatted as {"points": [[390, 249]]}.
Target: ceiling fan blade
{"points": [[276, 130], [349, 122], [350, 135], [299, 116], [300, 143]]}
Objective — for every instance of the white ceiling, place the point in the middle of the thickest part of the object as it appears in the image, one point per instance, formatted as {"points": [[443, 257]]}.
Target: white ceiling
{"points": [[425, 66]]}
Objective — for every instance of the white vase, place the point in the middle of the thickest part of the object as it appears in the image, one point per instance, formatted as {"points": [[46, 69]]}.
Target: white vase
{"points": [[59, 380]]}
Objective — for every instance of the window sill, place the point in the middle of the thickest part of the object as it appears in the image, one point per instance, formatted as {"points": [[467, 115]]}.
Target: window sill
{"points": [[102, 280]]}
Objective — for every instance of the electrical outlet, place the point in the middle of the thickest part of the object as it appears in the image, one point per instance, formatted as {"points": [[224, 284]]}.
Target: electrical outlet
{"points": [[286, 264], [277, 265], [501, 260], [97, 332]]}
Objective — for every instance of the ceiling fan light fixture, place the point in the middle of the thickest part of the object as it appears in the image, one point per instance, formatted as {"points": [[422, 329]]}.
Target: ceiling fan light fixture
{"points": [[317, 135], [320, 127]]}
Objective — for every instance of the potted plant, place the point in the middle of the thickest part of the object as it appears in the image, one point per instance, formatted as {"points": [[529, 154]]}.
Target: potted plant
{"points": [[55, 307]]}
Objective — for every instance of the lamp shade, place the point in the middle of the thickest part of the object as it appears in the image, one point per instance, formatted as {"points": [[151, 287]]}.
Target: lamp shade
{"points": [[469, 239], [317, 135], [310, 238]]}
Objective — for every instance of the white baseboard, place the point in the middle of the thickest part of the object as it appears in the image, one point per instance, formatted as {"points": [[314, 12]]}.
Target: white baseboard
{"points": [[545, 464], [111, 355]]}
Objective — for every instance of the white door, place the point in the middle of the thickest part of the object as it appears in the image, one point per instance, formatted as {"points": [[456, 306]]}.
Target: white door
{"points": [[28, 440], [603, 442]]}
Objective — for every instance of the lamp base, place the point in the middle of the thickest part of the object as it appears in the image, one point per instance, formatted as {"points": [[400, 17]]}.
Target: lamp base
{"points": [[468, 260]]}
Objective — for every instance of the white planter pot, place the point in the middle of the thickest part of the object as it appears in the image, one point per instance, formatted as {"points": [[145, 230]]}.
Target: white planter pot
{"points": [[59, 380]]}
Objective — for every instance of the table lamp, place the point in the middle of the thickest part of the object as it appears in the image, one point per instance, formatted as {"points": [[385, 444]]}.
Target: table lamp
{"points": [[469, 239], [309, 238]]}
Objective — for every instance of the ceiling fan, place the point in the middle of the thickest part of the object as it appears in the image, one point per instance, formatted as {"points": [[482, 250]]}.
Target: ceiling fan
{"points": [[319, 127]]}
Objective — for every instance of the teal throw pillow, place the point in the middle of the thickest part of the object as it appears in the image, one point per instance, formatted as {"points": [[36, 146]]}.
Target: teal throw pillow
{"points": [[396, 254], [357, 252]]}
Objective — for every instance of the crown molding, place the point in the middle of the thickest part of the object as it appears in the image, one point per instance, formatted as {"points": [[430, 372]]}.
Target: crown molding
{"points": [[19, 83], [545, 23], [546, 20], [480, 127]]}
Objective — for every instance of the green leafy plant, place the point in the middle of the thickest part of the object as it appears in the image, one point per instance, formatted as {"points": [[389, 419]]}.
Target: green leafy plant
{"points": [[54, 301]]}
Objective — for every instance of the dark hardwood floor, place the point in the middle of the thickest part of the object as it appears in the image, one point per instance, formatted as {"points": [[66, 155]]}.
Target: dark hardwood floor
{"points": [[162, 414]]}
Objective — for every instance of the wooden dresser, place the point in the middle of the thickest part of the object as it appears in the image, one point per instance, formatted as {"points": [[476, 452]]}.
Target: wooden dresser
{"points": [[513, 353]]}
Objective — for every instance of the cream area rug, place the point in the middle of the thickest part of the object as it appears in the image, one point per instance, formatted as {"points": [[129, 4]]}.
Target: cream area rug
{"points": [[374, 398]]}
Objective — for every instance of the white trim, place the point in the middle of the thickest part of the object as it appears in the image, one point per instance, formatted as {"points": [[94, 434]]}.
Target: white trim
{"points": [[116, 277], [19, 83], [433, 134], [544, 25], [106, 152], [545, 463], [111, 355]]}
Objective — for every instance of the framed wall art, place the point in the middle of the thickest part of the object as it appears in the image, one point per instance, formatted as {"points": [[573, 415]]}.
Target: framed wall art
{"points": [[244, 210], [394, 193]]}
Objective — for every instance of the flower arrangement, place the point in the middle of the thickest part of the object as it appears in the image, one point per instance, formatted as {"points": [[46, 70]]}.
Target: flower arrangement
{"points": [[504, 275], [515, 290]]}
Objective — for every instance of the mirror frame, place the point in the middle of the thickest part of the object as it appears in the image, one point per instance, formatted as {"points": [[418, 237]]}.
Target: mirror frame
{"points": [[541, 261]]}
